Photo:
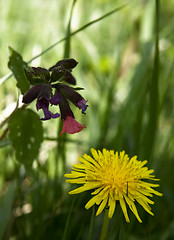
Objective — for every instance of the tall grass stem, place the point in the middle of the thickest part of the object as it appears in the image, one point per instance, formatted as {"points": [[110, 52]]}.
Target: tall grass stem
{"points": [[105, 225], [154, 92], [91, 228], [67, 225]]}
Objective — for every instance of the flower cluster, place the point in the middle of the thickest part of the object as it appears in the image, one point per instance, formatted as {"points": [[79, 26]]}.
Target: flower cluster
{"points": [[43, 82], [115, 178]]}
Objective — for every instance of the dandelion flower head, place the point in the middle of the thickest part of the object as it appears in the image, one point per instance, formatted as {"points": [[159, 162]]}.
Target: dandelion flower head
{"points": [[115, 178]]}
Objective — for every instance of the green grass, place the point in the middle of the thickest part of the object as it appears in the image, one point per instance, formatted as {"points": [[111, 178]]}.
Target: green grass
{"points": [[126, 69]]}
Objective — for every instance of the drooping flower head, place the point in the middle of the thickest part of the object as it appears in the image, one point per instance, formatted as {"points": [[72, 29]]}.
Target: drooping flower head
{"points": [[42, 92], [115, 178], [70, 125], [42, 85], [73, 97]]}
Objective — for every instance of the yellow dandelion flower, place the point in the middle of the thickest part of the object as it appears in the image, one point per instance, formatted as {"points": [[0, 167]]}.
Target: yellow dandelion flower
{"points": [[115, 178]]}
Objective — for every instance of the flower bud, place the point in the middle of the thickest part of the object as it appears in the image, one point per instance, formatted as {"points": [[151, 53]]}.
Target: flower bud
{"points": [[32, 94], [66, 63], [68, 77], [57, 73], [41, 73]]}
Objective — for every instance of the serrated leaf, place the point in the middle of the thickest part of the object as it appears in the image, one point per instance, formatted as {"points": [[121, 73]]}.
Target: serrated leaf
{"points": [[26, 135], [17, 66], [6, 204]]}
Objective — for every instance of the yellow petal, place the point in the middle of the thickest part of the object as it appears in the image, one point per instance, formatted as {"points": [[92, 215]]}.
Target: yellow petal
{"points": [[79, 166], [91, 160], [145, 206], [77, 180], [75, 174], [102, 206], [133, 208], [93, 201], [144, 198], [85, 162], [104, 192], [123, 207], [94, 153], [82, 189], [97, 191], [112, 205]]}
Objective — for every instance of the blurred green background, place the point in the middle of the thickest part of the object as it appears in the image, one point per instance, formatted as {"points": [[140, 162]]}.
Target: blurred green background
{"points": [[129, 86]]}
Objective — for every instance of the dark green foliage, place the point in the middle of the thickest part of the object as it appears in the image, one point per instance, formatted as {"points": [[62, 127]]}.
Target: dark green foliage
{"points": [[17, 66], [6, 206], [26, 135]]}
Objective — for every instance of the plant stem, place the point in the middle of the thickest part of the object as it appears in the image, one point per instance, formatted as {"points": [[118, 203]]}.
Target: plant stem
{"points": [[154, 92], [68, 40], [76, 31], [61, 146], [9, 75], [68, 220], [91, 224], [105, 225]]}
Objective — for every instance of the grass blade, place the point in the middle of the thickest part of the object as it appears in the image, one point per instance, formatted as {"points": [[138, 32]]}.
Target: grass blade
{"points": [[72, 34], [68, 39], [154, 95], [79, 30]]}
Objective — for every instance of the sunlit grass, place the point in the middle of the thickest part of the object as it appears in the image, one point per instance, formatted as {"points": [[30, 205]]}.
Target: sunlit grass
{"points": [[117, 71]]}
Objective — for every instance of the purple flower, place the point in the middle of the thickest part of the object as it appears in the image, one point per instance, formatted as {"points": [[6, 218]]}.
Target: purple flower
{"points": [[65, 63], [69, 93], [43, 103], [42, 81], [43, 92], [32, 94], [56, 99], [82, 105]]}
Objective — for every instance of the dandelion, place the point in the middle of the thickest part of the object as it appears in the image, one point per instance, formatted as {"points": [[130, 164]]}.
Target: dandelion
{"points": [[115, 178]]}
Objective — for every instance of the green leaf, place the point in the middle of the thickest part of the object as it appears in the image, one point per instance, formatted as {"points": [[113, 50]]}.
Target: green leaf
{"points": [[26, 135], [4, 143], [6, 204], [17, 66]]}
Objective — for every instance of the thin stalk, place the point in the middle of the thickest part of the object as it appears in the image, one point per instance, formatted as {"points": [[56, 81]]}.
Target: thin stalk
{"points": [[105, 225], [105, 118], [91, 228], [79, 30], [154, 91], [61, 147], [68, 220], [63, 39], [67, 49], [122, 231]]}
